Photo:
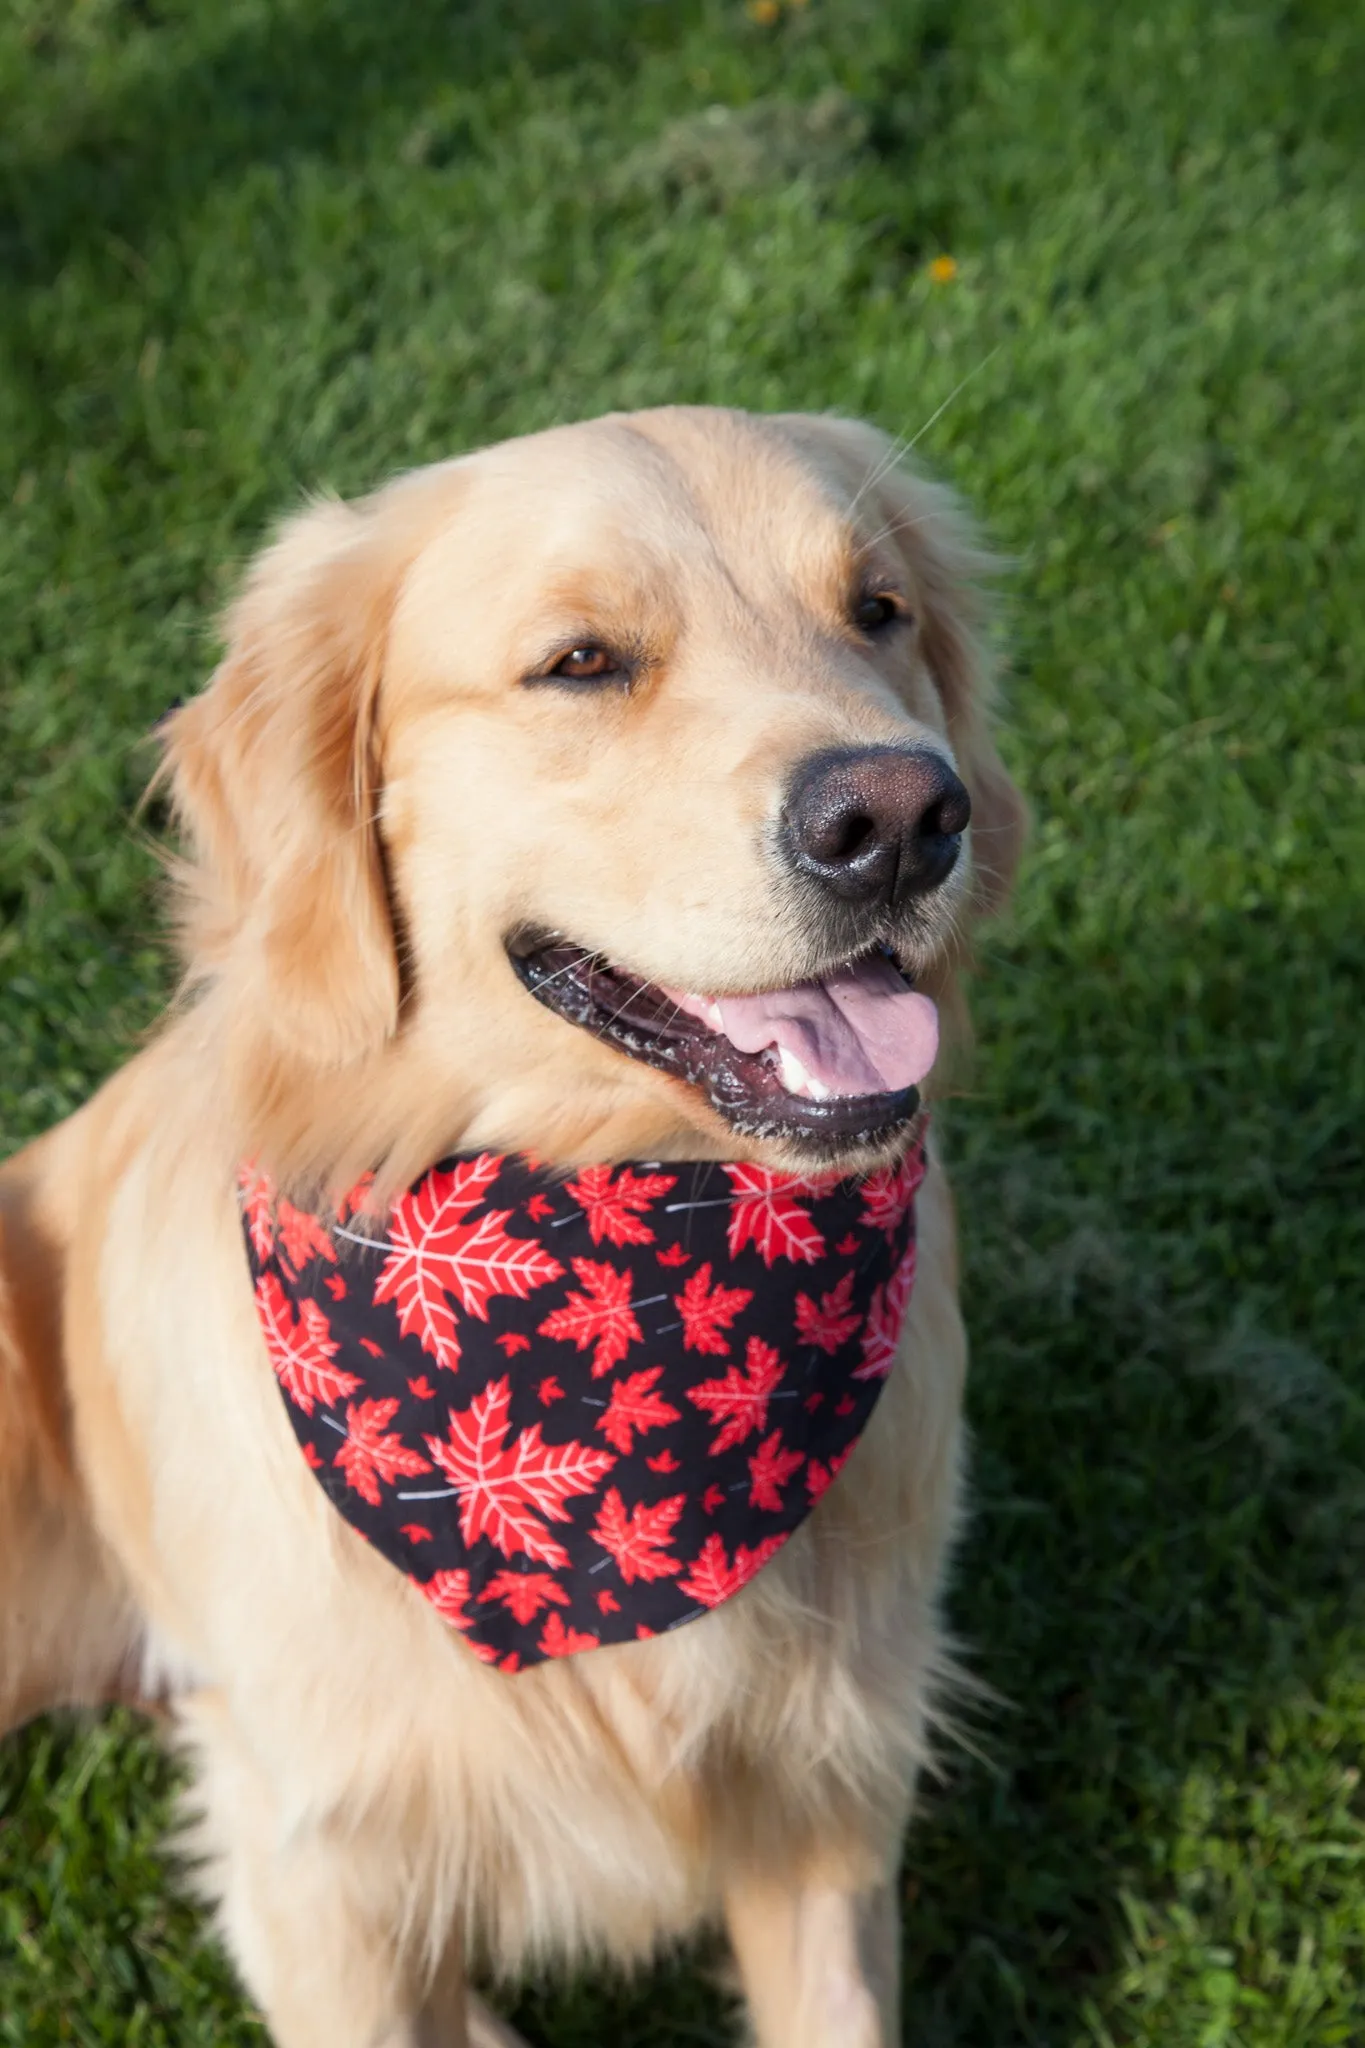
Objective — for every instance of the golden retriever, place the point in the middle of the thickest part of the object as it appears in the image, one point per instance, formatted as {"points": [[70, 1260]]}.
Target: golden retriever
{"points": [[574, 690]]}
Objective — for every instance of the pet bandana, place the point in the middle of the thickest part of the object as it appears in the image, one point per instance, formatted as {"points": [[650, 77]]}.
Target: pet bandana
{"points": [[583, 1410]]}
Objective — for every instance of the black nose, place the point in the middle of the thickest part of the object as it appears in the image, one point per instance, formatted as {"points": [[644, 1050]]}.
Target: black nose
{"points": [[876, 824]]}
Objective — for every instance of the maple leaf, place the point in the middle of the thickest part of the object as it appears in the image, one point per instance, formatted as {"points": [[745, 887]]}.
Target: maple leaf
{"points": [[422, 1388], [353, 1201], [632, 1406], [508, 1492], [375, 1350], [539, 1207], [373, 1456], [511, 1342], [415, 1532], [713, 1498], [662, 1461], [256, 1191], [301, 1350], [448, 1593], [437, 1253], [335, 1286], [770, 1468], [301, 1236], [523, 1594], [766, 1212], [889, 1193], [673, 1255], [740, 1400], [558, 1641], [820, 1477], [847, 1245], [713, 1578], [833, 1323], [614, 1208], [602, 1316], [639, 1541], [550, 1390], [608, 1602], [882, 1334], [708, 1311]]}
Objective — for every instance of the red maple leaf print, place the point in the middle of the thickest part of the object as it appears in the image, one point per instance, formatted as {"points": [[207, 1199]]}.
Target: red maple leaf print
{"points": [[508, 1492], [820, 1477], [375, 1350], [882, 1334], [740, 1400], [539, 1207], [614, 1207], [558, 1641], [602, 1316], [770, 1468], [257, 1194], [422, 1388], [639, 1541], [373, 1456], [833, 1323], [301, 1350], [511, 1342], [633, 1406], [550, 1390], [523, 1594], [436, 1254], [673, 1255], [312, 1458], [335, 1286], [301, 1237], [708, 1311], [415, 1532], [448, 1593], [713, 1498], [607, 1602], [888, 1193], [713, 1578], [847, 1245], [767, 1213], [353, 1201], [662, 1461]]}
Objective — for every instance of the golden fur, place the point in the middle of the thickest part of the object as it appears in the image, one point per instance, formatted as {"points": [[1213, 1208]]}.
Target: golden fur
{"points": [[370, 800]]}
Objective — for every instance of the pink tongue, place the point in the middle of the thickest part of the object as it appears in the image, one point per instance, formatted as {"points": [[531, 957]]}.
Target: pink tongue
{"points": [[861, 1032]]}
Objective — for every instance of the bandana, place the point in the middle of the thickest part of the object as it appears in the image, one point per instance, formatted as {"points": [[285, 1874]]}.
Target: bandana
{"points": [[582, 1411]]}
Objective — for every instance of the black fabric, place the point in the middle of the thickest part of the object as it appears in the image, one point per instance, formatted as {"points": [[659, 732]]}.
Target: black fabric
{"points": [[582, 1410]]}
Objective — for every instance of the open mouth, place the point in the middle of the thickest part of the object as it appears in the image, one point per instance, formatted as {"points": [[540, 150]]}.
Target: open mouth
{"points": [[837, 1060]]}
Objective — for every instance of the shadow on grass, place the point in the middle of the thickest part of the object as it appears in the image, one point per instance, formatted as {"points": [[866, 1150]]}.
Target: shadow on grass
{"points": [[143, 140]]}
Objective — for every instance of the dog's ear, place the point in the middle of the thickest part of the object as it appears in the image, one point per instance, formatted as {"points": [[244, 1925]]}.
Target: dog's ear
{"points": [[273, 780], [952, 573]]}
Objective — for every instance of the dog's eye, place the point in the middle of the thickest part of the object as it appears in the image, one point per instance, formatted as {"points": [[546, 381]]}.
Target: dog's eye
{"points": [[586, 665], [876, 610]]}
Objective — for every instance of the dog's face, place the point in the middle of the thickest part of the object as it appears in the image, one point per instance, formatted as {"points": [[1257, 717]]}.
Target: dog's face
{"points": [[623, 783]]}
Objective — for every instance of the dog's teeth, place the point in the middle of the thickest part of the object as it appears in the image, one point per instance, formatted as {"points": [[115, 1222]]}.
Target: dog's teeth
{"points": [[796, 1080]]}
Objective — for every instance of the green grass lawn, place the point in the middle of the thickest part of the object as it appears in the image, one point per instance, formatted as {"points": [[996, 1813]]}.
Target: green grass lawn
{"points": [[257, 246]]}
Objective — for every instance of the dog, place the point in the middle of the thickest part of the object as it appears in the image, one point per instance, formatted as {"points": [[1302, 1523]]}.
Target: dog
{"points": [[688, 700]]}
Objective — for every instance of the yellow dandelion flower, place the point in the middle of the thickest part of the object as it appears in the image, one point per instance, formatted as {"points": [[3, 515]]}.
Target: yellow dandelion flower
{"points": [[943, 269], [764, 12]]}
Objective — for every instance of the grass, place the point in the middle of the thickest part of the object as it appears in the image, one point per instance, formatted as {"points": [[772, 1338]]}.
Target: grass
{"points": [[255, 248]]}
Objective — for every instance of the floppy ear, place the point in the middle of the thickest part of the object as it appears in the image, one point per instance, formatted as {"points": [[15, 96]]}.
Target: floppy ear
{"points": [[926, 522], [274, 783]]}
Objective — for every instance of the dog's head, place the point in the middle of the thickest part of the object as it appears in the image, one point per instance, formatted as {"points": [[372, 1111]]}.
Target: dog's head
{"points": [[620, 791]]}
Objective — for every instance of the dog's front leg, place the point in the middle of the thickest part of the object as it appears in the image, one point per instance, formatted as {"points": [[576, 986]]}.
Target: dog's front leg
{"points": [[319, 1916], [819, 1965]]}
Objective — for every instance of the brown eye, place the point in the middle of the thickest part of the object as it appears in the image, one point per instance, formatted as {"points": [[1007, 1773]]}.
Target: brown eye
{"points": [[874, 611], [585, 664]]}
